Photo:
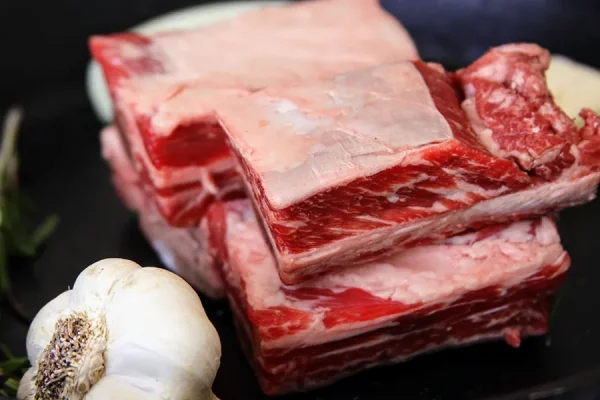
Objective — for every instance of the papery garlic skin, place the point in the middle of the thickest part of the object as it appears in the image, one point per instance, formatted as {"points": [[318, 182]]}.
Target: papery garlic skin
{"points": [[157, 341]]}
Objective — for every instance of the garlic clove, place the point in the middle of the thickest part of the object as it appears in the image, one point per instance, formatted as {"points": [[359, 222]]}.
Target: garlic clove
{"points": [[109, 386], [42, 328], [94, 284], [148, 349], [26, 387]]}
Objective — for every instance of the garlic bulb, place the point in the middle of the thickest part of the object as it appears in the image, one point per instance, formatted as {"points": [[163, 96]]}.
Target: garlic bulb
{"points": [[123, 332]]}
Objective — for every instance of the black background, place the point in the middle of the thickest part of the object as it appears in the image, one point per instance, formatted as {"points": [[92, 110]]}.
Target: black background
{"points": [[43, 43], [43, 56]]}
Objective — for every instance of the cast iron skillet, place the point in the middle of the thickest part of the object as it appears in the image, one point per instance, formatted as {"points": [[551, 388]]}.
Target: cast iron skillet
{"points": [[63, 171]]}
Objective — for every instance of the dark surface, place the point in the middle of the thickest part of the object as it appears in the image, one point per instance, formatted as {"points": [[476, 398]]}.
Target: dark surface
{"points": [[64, 173]]}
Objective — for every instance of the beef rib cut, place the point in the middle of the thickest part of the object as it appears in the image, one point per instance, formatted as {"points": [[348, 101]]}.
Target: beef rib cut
{"points": [[371, 162], [165, 87], [488, 284]]}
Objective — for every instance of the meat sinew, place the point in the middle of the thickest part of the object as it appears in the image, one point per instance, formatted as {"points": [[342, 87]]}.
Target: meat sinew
{"points": [[493, 283], [352, 168], [165, 87], [186, 251]]}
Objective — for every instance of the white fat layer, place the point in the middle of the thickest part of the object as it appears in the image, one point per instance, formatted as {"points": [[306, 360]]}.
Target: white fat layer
{"points": [[171, 105], [359, 34], [300, 141]]}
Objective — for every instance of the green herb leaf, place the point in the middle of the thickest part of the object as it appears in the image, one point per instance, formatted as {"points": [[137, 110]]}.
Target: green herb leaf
{"points": [[13, 366], [6, 351], [19, 243], [11, 386], [4, 277], [44, 230], [19, 240], [16, 238], [556, 304], [9, 142], [11, 370]]}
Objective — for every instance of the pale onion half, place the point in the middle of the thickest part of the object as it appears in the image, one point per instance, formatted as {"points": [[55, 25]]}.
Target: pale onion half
{"points": [[573, 85]]}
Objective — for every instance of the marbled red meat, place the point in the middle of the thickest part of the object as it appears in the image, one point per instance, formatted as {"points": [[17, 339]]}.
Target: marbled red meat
{"points": [[514, 115], [489, 284], [166, 86], [368, 163]]}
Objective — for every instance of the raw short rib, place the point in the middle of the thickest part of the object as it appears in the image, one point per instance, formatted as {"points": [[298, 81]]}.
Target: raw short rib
{"points": [[165, 87], [493, 283], [352, 168], [186, 251]]}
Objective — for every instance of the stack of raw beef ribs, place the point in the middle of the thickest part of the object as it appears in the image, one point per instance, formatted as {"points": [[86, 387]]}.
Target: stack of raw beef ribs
{"points": [[358, 206]]}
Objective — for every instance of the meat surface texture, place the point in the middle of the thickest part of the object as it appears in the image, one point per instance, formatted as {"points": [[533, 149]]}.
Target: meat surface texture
{"points": [[488, 284], [166, 87], [514, 115], [349, 169], [186, 251]]}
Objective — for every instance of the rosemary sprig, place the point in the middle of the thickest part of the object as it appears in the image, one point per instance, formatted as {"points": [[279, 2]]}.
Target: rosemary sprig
{"points": [[16, 239], [11, 371], [560, 294]]}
